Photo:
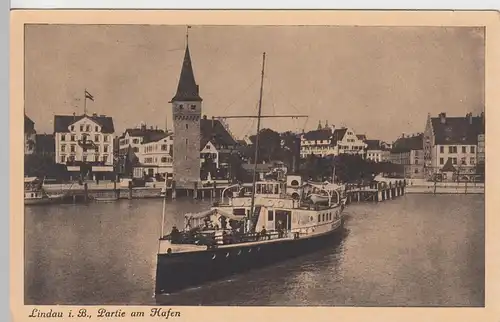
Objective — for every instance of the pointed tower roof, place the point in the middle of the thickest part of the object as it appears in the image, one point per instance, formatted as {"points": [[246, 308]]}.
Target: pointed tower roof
{"points": [[187, 90]]}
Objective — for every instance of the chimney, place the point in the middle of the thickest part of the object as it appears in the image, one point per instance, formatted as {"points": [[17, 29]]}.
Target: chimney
{"points": [[204, 117], [469, 116], [403, 135], [94, 114], [74, 116], [143, 127], [442, 117]]}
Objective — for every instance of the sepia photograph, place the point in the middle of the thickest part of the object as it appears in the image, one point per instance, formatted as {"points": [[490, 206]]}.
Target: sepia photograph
{"points": [[254, 165]]}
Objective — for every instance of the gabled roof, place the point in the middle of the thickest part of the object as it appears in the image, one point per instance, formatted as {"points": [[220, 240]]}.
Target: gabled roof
{"points": [[187, 89], [155, 136], [361, 137], [215, 132], [407, 144], [142, 132], [321, 134], [373, 145], [457, 130], [62, 122], [338, 135], [448, 166]]}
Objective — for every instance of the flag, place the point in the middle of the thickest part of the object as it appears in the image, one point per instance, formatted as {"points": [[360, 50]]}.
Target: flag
{"points": [[89, 96]]}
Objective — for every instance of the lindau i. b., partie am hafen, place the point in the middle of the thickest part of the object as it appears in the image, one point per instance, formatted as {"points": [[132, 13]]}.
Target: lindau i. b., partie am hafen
{"points": [[105, 313]]}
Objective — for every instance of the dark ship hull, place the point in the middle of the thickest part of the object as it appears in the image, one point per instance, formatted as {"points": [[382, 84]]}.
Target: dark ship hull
{"points": [[178, 271]]}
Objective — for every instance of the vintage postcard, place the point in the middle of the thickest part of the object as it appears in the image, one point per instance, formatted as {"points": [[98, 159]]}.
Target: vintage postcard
{"points": [[177, 163]]}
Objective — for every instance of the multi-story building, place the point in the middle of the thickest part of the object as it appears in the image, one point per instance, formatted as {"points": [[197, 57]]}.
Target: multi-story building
{"points": [[375, 151], [454, 138], [326, 141], [217, 146], [155, 155], [85, 140], [480, 149], [408, 152], [345, 141], [133, 138], [29, 135], [317, 142]]}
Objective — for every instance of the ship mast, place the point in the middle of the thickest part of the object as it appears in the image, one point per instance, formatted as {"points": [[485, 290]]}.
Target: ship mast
{"points": [[259, 114]]}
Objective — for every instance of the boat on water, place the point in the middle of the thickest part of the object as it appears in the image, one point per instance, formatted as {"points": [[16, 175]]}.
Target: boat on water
{"points": [[34, 194], [246, 229], [230, 238]]}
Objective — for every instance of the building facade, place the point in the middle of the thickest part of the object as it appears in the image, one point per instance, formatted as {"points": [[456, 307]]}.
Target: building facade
{"points": [[29, 135], [217, 147], [345, 141], [408, 152], [84, 139], [377, 151], [317, 142], [186, 111], [452, 138], [134, 137], [155, 155], [327, 141]]}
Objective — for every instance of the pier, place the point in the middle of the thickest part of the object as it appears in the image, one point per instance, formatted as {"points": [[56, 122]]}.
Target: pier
{"points": [[377, 191], [374, 192]]}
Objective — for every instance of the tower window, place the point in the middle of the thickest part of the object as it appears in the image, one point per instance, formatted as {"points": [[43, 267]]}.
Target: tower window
{"points": [[187, 126], [181, 106], [186, 141]]}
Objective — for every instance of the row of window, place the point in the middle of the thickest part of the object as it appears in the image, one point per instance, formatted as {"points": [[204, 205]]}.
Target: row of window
{"points": [[463, 161], [72, 148], [96, 158], [454, 149], [84, 136], [126, 141], [325, 217], [152, 148], [155, 160], [85, 128]]}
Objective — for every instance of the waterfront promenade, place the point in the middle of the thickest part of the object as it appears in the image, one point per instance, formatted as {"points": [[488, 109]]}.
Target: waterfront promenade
{"points": [[429, 187]]}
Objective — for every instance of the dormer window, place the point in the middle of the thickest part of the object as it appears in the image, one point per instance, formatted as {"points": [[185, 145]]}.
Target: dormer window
{"points": [[81, 128], [193, 106], [72, 127], [181, 106]]}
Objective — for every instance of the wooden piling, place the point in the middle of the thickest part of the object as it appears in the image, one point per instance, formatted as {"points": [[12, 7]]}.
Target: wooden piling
{"points": [[174, 190], [85, 192], [130, 190]]}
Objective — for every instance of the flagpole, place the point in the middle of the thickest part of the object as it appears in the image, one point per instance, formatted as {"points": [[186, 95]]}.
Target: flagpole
{"points": [[85, 102]]}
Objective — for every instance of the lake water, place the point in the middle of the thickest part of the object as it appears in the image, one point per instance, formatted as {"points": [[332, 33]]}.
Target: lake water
{"points": [[417, 250]]}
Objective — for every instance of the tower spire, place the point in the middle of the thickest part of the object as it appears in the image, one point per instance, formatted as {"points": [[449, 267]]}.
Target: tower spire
{"points": [[187, 89], [187, 35]]}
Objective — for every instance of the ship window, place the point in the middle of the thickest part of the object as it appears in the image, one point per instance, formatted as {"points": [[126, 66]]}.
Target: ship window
{"points": [[270, 215], [319, 218]]}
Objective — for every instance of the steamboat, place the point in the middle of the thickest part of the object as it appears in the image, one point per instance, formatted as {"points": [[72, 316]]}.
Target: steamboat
{"points": [[251, 226]]}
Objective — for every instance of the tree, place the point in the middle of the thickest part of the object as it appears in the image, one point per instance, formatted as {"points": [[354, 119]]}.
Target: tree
{"points": [[269, 145]]}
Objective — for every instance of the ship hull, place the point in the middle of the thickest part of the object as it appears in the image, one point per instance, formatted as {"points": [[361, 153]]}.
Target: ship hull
{"points": [[175, 272]]}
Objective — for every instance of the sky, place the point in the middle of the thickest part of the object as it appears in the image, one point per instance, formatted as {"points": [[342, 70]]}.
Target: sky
{"points": [[380, 81]]}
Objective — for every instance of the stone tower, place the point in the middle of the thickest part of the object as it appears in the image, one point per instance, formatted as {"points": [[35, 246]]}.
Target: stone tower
{"points": [[186, 111]]}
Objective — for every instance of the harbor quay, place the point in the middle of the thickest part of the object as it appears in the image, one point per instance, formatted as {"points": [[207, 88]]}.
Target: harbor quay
{"points": [[87, 191]]}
